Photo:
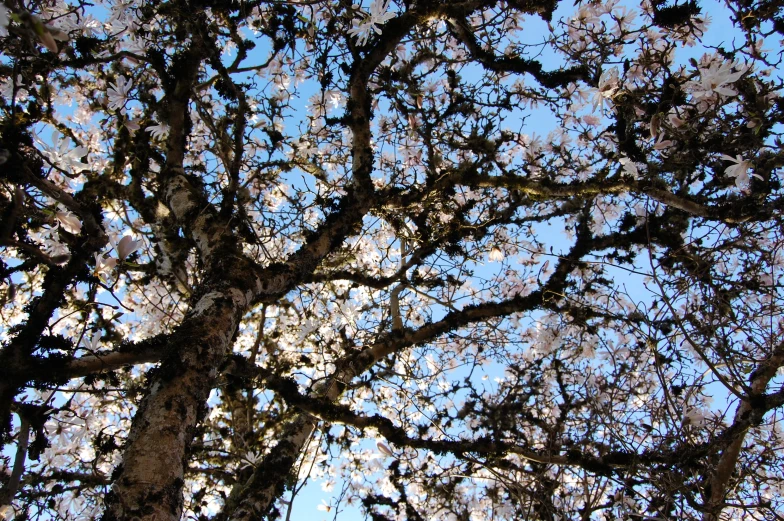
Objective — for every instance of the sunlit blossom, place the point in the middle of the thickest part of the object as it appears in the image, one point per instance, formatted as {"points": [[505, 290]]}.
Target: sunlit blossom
{"points": [[662, 144], [496, 254], [69, 222], [378, 16], [126, 246], [62, 155], [629, 167], [609, 83], [103, 264], [158, 131], [4, 20], [118, 93], [715, 79], [384, 449], [739, 170]]}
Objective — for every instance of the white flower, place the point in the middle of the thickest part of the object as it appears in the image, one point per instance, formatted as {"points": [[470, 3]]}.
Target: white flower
{"points": [[378, 16], [4, 20], [92, 344], [675, 121], [252, 459], [384, 449], [7, 511], [334, 98], [662, 143], [44, 36], [629, 167], [104, 265], [127, 246], [305, 148], [132, 125], [69, 222], [49, 238], [716, 76], [118, 93], [693, 416], [496, 254], [593, 121], [324, 506], [740, 171], [608, 86], [379, 13], [160, 131], [61, 155]]}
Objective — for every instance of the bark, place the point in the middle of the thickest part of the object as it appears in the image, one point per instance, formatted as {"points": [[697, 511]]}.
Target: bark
{"points": [[149, 482], [150, 479], [720, 480], [255, 497]]}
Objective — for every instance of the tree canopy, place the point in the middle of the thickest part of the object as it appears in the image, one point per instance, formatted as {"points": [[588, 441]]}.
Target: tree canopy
{"points": [[459, 260]]}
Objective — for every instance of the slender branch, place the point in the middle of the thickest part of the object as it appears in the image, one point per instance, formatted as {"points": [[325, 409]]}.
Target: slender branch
{"points": [[8, 492]]}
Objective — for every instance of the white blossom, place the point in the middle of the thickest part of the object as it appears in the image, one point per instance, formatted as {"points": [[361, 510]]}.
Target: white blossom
{"points": [[739, 170], [69, 222], [715, 77], [62, 155], [384, 449], [159, 130], [629, 167], [92, 344], [118, 93], [661, 143], [132, 125], [104, 265], [4, 20], [378, 16], [609, 83], [252, 459], [127, 246]]}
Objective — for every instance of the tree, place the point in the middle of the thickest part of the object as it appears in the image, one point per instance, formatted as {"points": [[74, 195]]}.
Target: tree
{"points": [[248, 242]]}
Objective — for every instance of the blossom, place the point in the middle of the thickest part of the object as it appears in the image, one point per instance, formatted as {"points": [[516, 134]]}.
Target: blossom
{"points": [[629, 167], [92, 344], [62, 155], [4, 20], [496, 254], [715, 77], [118, 93], [69, 222], [44, 36], [132, 125], [739, 170], [48, 237], [609, 83], [384, 449], [103, 265], [10, 88], [334, 98], [252, 459], [675, 121], [127, 246], [693, 416], [662, 143], [378, 16], [593, 121], [159, 130]]}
